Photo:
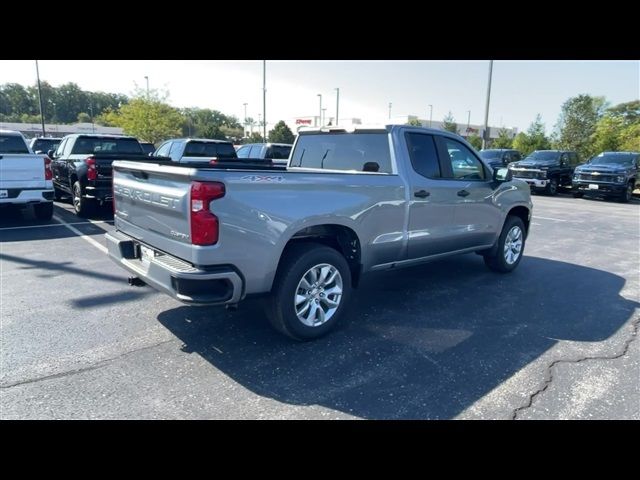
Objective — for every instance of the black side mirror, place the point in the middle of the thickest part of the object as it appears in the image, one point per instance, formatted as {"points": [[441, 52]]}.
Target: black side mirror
{"points": [[50, 153], [502, 175]]}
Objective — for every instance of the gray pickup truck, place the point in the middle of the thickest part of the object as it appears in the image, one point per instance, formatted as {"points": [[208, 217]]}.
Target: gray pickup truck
{"points": [[349, 202]]}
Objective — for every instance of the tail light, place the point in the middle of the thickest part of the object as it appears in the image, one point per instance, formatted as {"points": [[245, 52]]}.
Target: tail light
{"points": [[204, 224], [48, 175], [92, 170]]}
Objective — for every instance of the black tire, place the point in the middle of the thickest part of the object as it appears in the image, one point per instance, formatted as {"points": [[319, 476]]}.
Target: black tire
{"points": [[43, 211], [298, 260], [497, 262], [82, 206], [627, 195], [552, 187]]}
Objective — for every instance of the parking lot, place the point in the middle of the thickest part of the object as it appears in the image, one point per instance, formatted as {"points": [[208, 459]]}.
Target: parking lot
{"points": [[554, 339]]}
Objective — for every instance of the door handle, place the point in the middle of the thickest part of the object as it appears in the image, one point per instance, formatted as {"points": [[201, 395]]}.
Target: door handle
{"points": [[421, 194], [463, 193]]}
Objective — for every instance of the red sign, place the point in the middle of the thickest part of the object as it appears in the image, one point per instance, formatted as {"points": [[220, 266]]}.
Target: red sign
{"points": [[302, 121]]}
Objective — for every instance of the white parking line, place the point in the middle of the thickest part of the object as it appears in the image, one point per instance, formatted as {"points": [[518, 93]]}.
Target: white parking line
{"points": [[549, 218], [99, 246], [95, 222]]}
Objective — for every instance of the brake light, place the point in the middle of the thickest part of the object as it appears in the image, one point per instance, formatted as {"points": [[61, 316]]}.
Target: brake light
{"points": [[204, 224], [92, 170], [48, 175]]}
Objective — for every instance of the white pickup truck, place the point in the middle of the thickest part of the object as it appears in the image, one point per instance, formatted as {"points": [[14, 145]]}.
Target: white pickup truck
{"points": [[25, 178]]}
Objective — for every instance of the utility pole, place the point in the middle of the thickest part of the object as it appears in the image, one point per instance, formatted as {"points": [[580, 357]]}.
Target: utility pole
{"points": [[430, 114], [40, 98], [389, 110], [468, 121], [320, 112], [244, 131], [337, 105], [486, 109], [324, 115], [93, 125], [147, 79], [264, 98]]}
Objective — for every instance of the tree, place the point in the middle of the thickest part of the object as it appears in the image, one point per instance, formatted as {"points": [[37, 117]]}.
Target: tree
{"points": [[618, 129], [629, 112], [255, 137], [475, 141], [577, 123], [414, 122], [84, 117], [148, 117], [281, 133], [534, 138], [504, 140], [449, 124]]}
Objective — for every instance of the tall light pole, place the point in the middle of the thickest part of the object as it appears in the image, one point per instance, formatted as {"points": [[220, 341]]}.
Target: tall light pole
{"points": [[40, 98], [264, 99], [324, 115], [389, 110], [244, 132], [468, 121], [93, 125], [486, 109], [430, 114], [147, 79], [337, 105], [320, 112]]}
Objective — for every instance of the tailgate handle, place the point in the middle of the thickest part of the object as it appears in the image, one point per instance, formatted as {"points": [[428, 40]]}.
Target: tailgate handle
{"points": [[137, 174]]}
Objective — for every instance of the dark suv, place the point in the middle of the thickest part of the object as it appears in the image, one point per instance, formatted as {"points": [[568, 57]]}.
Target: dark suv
{"points": [[609, 174], [546, 170], [500, 157]]}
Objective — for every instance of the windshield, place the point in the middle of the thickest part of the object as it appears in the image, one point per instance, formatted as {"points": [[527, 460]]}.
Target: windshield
{"points": [[544, 156], [88, 145], [45, 144], [490, 154], [12, 144], [210, 149], [612, 159]]}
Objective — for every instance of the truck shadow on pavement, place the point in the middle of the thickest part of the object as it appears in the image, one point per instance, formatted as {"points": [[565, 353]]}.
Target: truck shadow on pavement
{"points": [[425, 342]]}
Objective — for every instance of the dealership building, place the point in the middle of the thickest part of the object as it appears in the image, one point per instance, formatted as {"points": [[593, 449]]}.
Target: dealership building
{"points": [[31, 130]]}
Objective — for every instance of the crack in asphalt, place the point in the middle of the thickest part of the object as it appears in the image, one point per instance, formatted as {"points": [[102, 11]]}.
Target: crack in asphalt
{"points": [[549, 369], [95, 366]]}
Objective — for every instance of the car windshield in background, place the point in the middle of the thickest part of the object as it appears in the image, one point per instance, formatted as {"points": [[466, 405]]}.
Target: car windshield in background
{"points": [[612, 158], [88, 145], [544, 156], [343, 151], [12, 144], [279, 152], [206, 149], [490, 154], [44, 145]]}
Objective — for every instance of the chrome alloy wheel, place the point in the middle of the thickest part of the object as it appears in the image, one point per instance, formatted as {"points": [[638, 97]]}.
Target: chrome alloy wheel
{"points": [[318, 295], [513, 245]]}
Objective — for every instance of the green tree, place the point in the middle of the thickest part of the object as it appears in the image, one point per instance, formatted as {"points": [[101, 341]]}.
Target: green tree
{"points": [[577, 123], [475, 141], [534, 138], [414, 122], [629, 112], [147, 117], [281, 133], [449, 123], [255, 137], [84, 117], [607, 134], [504, 140]]}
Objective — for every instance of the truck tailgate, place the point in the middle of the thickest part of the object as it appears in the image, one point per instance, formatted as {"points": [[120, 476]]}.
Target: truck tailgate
{"points": [[22, 171]]}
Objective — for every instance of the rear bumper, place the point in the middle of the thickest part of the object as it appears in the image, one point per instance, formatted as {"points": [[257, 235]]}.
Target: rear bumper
{"points": [[582, 186], [102, 194], [216, 286], [23, 196]]}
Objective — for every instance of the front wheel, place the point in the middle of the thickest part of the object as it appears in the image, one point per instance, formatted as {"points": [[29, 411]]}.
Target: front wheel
{"points": [[510, 247], [310, 292], [552, 187], [627, 195]]}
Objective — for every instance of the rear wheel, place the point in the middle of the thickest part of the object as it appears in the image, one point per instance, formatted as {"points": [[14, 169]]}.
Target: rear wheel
{"points": [[82, 206], [43, 211], [510, 247], [310, 292]]}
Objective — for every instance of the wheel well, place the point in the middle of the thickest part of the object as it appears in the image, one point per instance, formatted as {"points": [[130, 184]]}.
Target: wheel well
{"points": [[523, 213], [340, 238]]}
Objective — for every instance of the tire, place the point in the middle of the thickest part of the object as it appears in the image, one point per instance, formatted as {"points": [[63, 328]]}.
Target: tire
{"points": [[627, 195], [82, 206], [299, 265], [43, 211], [552, 187], [501, 261]]}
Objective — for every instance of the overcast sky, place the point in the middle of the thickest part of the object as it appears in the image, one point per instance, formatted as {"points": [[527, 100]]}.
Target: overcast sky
{"points": [[520, 89]]}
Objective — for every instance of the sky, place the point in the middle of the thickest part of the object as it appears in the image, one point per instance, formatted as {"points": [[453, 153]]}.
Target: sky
{"points": [[519, 91]]}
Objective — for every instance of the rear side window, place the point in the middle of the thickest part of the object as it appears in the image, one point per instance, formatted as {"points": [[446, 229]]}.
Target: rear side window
{"points": [[279, 152], [163, 151], [423, 155], [343, 151], [89, 145], [12, 144], [243, 152], [44, 145], [206, 149]]}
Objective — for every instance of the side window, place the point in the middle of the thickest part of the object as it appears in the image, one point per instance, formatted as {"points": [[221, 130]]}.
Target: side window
{"points": [[564, 160], [163, 151], [60, 149], [464, 164], [243, 152], [255, 151], [174, 152], [423, 155]]}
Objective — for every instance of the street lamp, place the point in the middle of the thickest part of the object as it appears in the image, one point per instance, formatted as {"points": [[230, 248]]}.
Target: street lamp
{"points": [[468, 121], [337, 105], [320, 113], [389, 110], [93, 125], [430, 114], [40, 98], [324, 116], [245, 119], [147, 79], [486, 109]]}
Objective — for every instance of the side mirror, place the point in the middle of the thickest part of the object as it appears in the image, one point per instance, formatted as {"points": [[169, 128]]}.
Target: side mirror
{"points": [[371, 167], [502, 175], [151, 154], [50, 153]]}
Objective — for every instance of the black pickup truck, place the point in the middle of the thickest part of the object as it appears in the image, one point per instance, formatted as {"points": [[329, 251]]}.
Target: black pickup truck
{"points": [[81, 167], [609, 174], [546, 170]]}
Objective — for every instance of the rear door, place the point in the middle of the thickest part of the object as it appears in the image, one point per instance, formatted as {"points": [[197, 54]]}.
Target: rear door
{"points": [[18, 167]]}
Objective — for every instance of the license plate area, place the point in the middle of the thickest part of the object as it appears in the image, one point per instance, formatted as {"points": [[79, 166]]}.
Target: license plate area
{"points": [[4, 193], [593, 186]]}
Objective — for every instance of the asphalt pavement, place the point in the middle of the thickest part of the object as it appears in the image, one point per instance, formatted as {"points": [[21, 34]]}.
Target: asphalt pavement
{"points": [[557, 338]]}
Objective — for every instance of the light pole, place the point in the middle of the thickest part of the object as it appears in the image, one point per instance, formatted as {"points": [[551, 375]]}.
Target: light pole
{"points": [[324, 115], [468, 121], [245, 120], [259, 124], [337, 105], [93, 125], [389, 110], [320, 112], [147, 79], [264, 98], [40, 98], [486, 109], [430, 114]]}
